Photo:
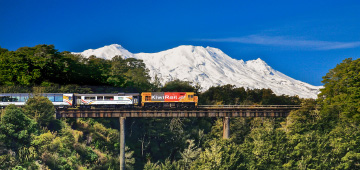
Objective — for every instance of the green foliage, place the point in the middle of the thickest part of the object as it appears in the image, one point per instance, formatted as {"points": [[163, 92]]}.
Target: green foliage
{"points": [[158, 139], [189, 154], [67, 149], [266, 146], [129, 72], [179, 86], [44, 65], [232, 95], [18, 168], [3, 50], [302, 120], [344, 141], [28, 66], [221, 154], [341, 93], [7, 161], [41, 109], [16, 128]]}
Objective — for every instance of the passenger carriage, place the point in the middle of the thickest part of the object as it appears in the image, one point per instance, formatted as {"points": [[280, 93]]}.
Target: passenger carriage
{"points": [[59, 100], [116, 100]]}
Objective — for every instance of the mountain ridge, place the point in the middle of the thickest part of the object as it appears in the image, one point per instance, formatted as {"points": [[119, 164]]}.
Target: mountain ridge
{"points": [[209, 66]]}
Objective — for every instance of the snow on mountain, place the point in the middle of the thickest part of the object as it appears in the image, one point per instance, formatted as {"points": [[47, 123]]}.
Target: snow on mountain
{"points": [[108, 52], [211, 67]]}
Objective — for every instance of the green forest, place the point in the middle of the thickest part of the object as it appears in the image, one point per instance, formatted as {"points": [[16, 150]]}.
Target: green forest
{"points": [[323, 134]]}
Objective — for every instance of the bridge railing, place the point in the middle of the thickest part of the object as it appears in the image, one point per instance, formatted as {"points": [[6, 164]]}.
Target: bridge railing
{"points": [[249, 106]]}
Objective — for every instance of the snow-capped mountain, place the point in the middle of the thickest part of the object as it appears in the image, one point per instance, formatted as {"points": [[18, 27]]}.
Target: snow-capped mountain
{"points": [[108, 52], [211, 67]]}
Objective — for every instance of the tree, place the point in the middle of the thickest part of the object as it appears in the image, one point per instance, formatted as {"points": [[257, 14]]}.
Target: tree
{"points": [[129, 72], [341, 92], [189, 154], [178, 86], [41, 109], [16, 128], [221, 154], [265, 147], [97, 70], [3, 50], [226, 94]]}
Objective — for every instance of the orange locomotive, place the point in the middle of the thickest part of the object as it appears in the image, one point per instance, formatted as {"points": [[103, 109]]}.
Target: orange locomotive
{"points": [[169, 100]]}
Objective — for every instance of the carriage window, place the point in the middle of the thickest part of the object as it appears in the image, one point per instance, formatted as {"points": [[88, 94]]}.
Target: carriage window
{"points": [[15, 98], [147, 98], [58, 98], [100, 97], [5, 98], [23, 98], [109, 98], [51, 98], [89, 98], [120, 98]]}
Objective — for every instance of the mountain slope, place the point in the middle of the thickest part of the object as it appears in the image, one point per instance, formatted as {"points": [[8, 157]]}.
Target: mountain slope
{"points": [[211, 67]]}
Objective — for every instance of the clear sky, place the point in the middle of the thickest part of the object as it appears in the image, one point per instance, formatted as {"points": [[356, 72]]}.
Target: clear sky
{"points": [[302, 39]]}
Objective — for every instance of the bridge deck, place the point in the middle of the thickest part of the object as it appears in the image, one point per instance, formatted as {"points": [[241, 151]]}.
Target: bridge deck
{"points": [[201, 111]]}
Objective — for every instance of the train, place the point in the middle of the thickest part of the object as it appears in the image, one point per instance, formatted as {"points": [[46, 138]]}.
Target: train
{"points": [[148, 100]]}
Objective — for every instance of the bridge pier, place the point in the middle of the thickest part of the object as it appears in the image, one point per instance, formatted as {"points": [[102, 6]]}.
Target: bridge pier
{"points": [[226, 128], [122, 143]]}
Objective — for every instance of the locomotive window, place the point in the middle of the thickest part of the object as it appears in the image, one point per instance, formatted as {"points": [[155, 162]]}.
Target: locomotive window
{"points": [[147, 98]]}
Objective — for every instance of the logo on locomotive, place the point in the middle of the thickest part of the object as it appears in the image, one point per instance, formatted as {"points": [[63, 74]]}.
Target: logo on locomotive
{"points": [[167, 96]]}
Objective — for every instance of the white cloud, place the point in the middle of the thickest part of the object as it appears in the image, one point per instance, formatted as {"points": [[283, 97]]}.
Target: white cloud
{"points": [[288, 42]]}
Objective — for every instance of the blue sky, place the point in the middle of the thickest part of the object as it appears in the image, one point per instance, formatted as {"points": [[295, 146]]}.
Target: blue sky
{"points": [[302, 39]]}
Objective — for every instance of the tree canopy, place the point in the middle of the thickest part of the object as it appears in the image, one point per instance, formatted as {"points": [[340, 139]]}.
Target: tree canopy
{"points": [[40, 109], [341, 92], [44, 65]]}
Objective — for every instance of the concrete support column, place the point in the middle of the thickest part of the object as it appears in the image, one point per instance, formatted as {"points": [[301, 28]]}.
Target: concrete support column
{"points": [[122, 143], [226, 128]]}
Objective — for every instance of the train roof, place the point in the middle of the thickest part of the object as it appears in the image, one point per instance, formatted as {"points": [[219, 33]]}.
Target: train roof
{"points": [[6, 94], [107, 94], [75, 94]]}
